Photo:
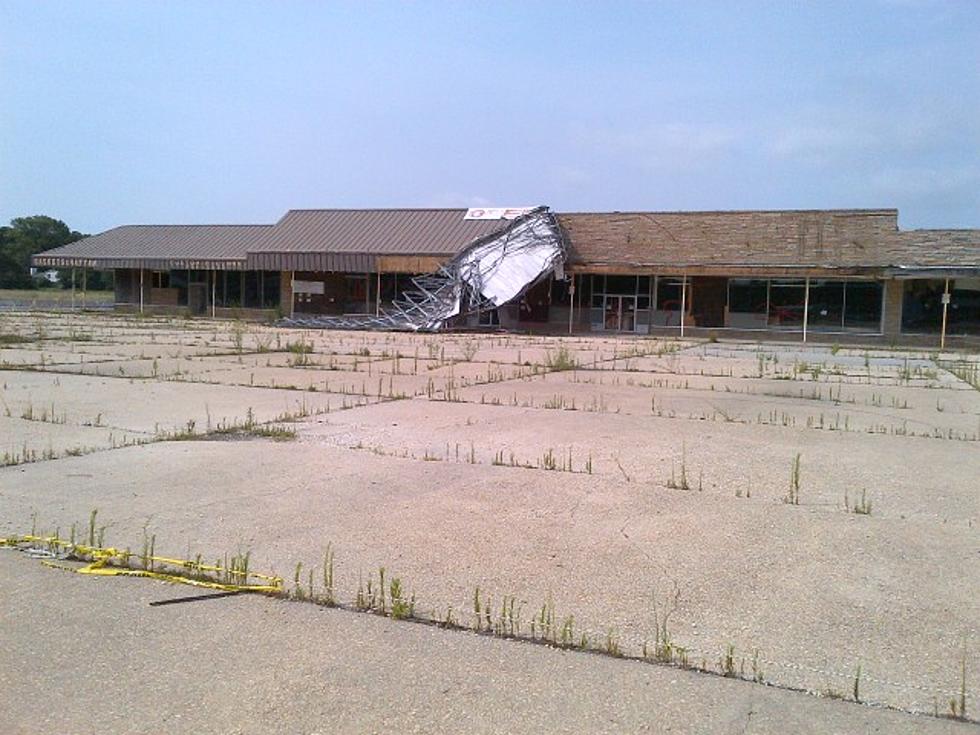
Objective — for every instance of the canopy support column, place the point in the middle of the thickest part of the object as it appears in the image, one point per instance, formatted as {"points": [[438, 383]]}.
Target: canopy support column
{"points": [[806, 306], [571, 304], [683, 302], [942, 335]]}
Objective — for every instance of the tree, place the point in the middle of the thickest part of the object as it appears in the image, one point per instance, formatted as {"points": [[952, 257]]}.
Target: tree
{"points": [[23, 238]]}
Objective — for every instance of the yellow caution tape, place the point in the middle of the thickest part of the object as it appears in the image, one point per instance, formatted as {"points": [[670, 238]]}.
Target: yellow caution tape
{"points": [[191, 572]]}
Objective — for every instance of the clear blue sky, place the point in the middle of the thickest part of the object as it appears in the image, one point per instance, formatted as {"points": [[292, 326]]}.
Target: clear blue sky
{"points": [[182, 112]]}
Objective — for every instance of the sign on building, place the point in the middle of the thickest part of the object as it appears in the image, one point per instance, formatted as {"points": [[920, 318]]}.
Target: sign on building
{"points": [[496, 212], [308, 287]]}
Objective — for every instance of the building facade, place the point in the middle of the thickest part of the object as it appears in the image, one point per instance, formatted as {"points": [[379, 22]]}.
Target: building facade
{"points": [[832, 274]]}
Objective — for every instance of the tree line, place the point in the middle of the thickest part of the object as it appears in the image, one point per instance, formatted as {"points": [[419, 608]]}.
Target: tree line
{"points": [[26, 236]]}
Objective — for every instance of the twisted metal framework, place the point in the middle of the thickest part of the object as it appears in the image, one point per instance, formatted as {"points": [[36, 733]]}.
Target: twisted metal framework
{"points": [[489, 272]]}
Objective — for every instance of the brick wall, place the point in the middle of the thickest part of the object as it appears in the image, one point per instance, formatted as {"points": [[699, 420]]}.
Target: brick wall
{"points": [[286, 292], [831, 238]]}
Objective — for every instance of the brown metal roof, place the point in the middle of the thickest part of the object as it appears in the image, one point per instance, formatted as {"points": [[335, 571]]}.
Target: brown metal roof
{"points": [[351, 239], [199, 247]]}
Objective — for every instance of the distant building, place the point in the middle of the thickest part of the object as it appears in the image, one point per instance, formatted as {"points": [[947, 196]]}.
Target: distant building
{"points": [[825, 273], [50, 275]]}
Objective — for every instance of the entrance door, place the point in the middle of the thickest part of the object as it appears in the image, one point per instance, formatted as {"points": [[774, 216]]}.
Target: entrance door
{"points": [[620, 314]]}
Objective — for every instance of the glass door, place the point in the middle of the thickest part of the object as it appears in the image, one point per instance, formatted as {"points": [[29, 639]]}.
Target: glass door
{"points": [[619, 313], [627, 313]]}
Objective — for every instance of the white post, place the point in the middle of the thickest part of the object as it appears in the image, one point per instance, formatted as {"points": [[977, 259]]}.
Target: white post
{"points": [[683, 302], [84, 285], [806, 306], [214, 288], [571, 304], [942, 337], [377, 296], [73, 289], [141, 290], [292, 294]]}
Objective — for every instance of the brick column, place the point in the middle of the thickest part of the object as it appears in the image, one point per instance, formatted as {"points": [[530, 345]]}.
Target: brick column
{"points": [[285, 292], [892, 318]]}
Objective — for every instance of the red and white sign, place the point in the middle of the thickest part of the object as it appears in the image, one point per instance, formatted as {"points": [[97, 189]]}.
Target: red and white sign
{"points": [[496, 212]]}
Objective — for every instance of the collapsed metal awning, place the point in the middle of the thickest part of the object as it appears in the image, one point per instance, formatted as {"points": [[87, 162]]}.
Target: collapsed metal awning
{"points": [[490, 272]]}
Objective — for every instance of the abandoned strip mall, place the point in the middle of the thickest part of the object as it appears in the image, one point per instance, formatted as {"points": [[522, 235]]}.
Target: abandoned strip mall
{"points": [[826, 274]]}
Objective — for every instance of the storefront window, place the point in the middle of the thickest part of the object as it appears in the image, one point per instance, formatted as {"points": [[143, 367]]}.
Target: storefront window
{"points": [[233, 289], [786, 302], [826, 304], [253, 290], [748, 296], [669, 292], [270, 289], [862, 305], [178, 280], [922, 307]]}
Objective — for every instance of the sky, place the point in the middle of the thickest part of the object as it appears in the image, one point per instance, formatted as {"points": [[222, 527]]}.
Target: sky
{"points": [[233, 112]]}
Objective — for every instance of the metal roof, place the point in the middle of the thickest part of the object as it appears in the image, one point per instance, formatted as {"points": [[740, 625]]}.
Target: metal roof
{"points": [[350, 239], [198, 247], [353, 240]]}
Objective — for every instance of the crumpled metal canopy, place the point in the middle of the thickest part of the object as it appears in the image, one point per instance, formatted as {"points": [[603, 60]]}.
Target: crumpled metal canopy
{"points": [[488, 273]]}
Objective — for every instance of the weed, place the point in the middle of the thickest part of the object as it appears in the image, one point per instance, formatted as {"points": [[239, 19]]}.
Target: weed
{"points": [[792, 497], [672, 483], [861, 507], [684, 484], [727, 661], [611, 645], [566, 635], [237, 336], [664, 650], [328, 582], [263, 342], [401, 608], [149, 546], [757, 673], [560, 359], [298, 592], [957, 706], [91, 526]]}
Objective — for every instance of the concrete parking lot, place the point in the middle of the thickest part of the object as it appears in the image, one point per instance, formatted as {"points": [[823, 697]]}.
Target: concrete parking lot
{"points": [[807, 512]]}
